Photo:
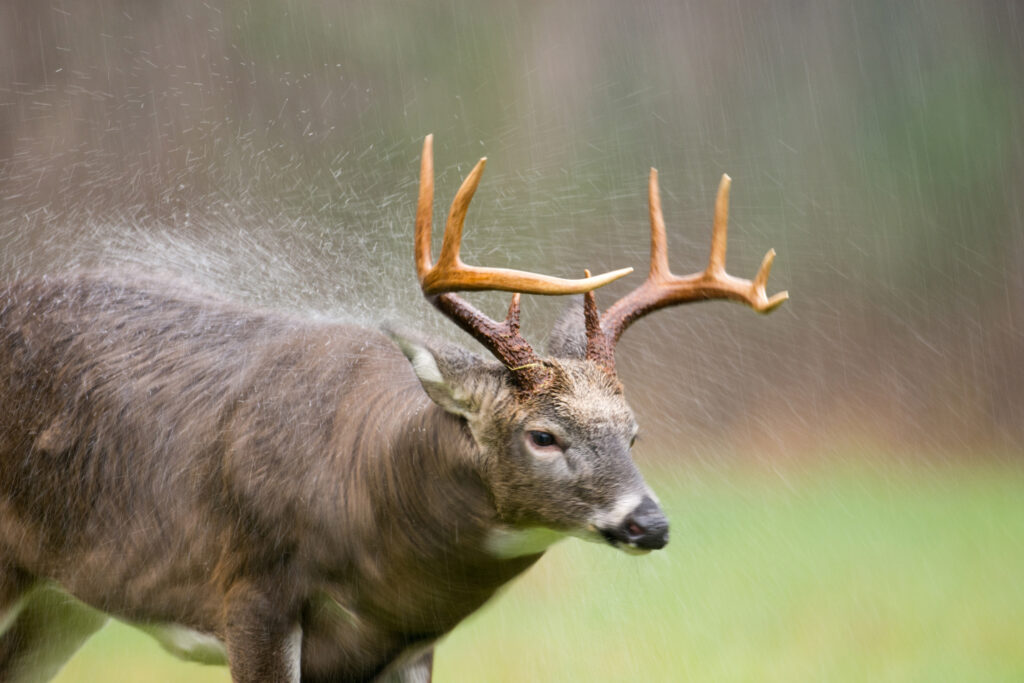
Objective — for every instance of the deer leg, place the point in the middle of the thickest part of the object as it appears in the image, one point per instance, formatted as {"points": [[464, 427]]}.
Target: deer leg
{"points": [[44, 628], [264, 641]]}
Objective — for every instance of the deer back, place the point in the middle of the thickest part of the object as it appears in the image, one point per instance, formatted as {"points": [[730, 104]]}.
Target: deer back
{"points": [[147, 422]]}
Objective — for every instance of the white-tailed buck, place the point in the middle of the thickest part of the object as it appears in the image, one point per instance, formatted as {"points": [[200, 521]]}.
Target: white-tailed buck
{"points": [[308, 500]]}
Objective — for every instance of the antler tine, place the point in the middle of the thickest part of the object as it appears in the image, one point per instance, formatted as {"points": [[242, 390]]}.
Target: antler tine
{"points": [[452, 242], [731, 287], [598, 348], [761, 280], [425, 209], [720, 228], [450, 274], [662, 288], [659, 245]]}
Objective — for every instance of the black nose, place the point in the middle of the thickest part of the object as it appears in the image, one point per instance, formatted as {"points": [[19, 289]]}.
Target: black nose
{"points": [[645, 527]]}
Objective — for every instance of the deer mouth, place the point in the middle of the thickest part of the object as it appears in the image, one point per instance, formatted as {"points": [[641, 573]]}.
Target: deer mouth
{"points": [[626, 547]]}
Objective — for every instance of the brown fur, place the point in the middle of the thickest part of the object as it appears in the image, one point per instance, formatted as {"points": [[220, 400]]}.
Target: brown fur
{"points": [[168, 456]]}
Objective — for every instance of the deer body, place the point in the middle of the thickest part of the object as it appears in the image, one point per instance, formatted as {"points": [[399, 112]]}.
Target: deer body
{"points": [[304, 499], [158, 450]]}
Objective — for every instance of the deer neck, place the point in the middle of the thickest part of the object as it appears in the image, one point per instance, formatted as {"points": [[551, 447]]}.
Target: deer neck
{"points": [[429, 521], [431, 491]]}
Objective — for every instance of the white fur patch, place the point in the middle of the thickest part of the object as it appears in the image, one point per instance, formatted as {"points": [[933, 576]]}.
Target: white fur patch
{"points": [[614, 516], [423, 363], [188, 643], [407, 668], [293, 653], [425, 367], [506, 542]]}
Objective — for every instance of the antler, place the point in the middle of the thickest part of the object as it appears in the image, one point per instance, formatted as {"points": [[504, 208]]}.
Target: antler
{"points": [[662, 288], [451, 274]]}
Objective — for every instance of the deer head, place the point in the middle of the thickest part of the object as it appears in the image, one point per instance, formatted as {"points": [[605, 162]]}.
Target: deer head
{"points": [[553, 434]]}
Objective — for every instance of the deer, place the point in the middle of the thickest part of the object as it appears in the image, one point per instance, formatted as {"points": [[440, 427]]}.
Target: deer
{"points": [[306, 499]]}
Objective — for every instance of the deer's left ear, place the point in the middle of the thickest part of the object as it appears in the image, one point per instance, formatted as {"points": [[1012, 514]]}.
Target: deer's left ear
{"points": [[449, 374]]}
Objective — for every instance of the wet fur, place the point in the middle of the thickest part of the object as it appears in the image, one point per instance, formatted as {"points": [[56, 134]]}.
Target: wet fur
{"points": [[168, 456]]}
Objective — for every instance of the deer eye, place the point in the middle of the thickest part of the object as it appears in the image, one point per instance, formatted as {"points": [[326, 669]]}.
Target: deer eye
{"points": [[542, 439]]}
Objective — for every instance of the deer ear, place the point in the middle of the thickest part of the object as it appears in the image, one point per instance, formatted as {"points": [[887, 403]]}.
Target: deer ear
{"points": [[446, 371]]}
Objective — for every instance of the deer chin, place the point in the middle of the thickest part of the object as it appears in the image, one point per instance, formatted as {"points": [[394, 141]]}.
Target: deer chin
{"points": [[628, 547], [594, 535]]}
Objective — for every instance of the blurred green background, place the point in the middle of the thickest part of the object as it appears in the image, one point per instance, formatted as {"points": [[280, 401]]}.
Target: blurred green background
{"points": [[844, 476]]}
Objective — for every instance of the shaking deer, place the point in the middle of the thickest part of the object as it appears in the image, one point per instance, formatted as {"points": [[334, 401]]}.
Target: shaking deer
{"points": [[307, 500]]}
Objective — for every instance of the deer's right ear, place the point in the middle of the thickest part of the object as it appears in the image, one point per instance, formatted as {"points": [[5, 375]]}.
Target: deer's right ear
{"points": [[446, 371]]}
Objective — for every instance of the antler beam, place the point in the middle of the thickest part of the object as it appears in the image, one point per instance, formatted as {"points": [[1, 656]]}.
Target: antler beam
{"points": [[450, 274], [662, 288]]}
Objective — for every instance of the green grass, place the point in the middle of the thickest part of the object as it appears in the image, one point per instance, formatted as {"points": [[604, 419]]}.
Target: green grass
{"points": [[884, 571]]}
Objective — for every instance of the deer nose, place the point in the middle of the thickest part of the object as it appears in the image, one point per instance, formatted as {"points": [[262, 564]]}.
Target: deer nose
{"points": [[646, 527]]}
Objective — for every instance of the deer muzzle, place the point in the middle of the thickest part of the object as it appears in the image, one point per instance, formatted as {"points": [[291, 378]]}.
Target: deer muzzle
{"points": [[644, 528]]}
